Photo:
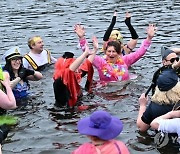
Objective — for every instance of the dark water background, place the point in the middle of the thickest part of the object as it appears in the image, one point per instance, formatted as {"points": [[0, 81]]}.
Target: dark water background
{"points": [[42, 128]]}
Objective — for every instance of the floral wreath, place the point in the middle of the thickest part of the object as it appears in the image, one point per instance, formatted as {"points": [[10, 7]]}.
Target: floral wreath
{"points": [[117, 68]]}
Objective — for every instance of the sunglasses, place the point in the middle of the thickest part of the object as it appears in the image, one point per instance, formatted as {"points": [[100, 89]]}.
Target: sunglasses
{"points": [[172, 60]]}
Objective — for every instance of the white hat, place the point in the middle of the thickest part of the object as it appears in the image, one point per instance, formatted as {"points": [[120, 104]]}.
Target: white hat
{"points": [[11, 53]]}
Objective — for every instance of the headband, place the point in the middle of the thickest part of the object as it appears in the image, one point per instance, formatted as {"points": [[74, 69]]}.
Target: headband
{"points": [[34, 40]]}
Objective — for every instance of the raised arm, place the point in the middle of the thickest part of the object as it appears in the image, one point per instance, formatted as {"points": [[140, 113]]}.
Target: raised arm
{"points": [[135, 56], [134, 36], [151, 30], [90, 53], [95, 49], [75, 65], [176, 50], [110, 28], [80, 31]]}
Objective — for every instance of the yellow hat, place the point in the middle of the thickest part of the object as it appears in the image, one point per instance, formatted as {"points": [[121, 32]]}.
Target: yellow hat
{"points": [[11, 53], [116, 35]]}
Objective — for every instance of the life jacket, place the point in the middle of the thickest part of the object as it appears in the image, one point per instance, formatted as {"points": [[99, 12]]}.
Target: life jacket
{"points": [[33, 63], [64, 76]]}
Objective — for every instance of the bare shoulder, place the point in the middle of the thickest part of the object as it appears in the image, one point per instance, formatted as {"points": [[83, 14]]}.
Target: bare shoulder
{"points": [[6, 75]]}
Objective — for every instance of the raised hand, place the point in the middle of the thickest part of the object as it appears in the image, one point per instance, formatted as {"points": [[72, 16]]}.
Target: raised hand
{"points": [[95, 43], [128, 15], [115, 13], [87, 50], [95, 46], [79, 30], [128, 19], [151, 30], [143, 100], [176, 64]]}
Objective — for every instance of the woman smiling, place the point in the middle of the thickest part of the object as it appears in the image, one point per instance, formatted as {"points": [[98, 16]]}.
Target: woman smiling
{"points": [[114, 66], [19, 75]]}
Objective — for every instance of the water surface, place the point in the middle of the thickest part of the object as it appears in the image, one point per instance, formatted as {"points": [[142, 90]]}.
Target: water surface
{"points": [[42, 128]]}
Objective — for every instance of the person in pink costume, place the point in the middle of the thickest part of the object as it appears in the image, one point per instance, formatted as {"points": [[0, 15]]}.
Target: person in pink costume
{"points": [[114, 66]]}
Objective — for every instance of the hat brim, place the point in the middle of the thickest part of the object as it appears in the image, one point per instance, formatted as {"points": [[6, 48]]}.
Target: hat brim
{"points": [[19, 56], [112, 131]]}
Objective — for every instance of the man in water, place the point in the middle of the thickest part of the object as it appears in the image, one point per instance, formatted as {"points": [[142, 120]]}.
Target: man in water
{"points": [[38, 57]]}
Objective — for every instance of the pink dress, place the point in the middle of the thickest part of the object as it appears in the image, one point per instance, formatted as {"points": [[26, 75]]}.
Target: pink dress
{"points": [[118, 71]]}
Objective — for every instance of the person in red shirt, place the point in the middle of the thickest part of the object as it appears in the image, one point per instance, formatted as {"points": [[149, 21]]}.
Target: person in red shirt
{"points": [[68, 74]]}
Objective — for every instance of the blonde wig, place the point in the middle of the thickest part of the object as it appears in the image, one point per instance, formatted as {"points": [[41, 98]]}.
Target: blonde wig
{"points": [[171, 96]]}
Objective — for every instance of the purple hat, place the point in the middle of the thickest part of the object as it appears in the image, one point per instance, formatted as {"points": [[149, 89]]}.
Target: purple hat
{"points": [[167, 80], [100, 124]]}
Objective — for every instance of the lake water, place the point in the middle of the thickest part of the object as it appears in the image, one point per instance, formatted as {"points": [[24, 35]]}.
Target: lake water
{"points": [[43, 129]]}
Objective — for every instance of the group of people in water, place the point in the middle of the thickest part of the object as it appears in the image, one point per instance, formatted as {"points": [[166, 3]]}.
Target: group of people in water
{"points": [[101, 127]]}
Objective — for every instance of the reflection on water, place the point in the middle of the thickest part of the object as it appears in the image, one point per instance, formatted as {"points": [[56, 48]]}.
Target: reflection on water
{"points": [[44, 128]]}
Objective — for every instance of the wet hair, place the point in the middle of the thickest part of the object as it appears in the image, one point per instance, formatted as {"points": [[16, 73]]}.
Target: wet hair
{"points": [[116, 45]]}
